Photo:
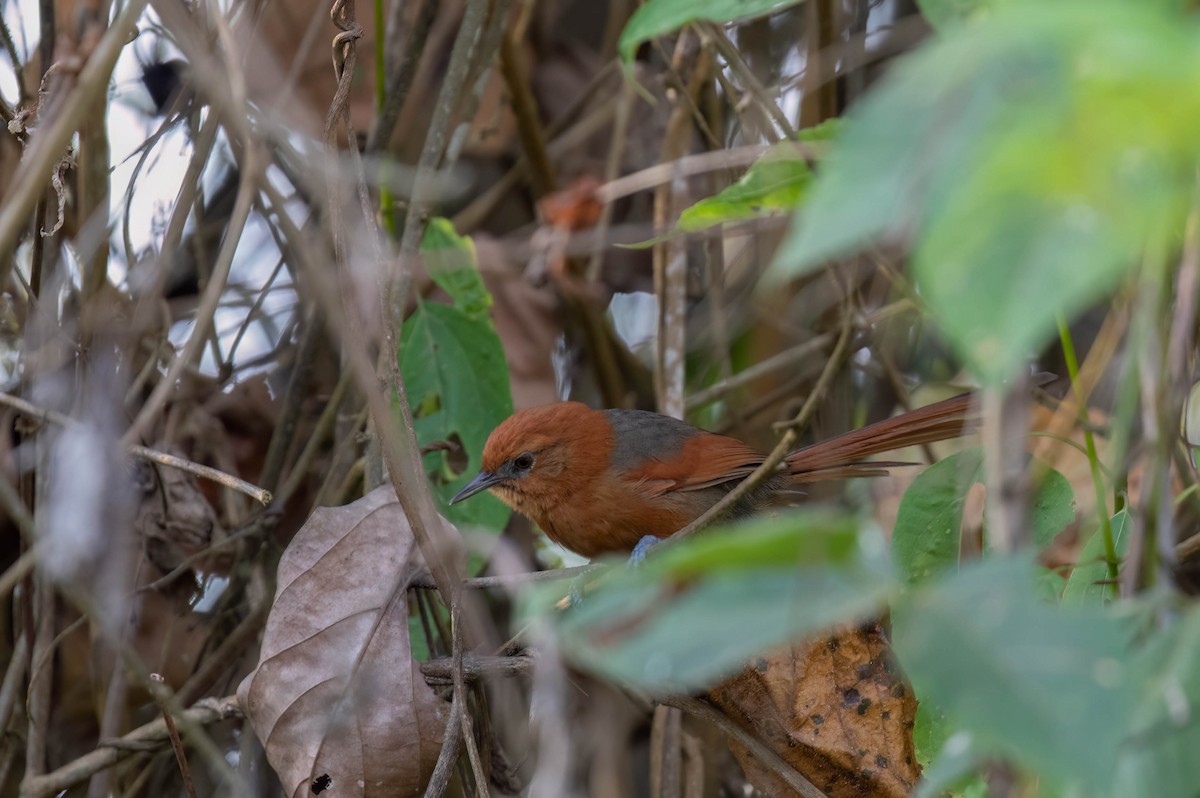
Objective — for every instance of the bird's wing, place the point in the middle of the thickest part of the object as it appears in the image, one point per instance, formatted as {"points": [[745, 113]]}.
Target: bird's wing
{"points": [[703, 461]]}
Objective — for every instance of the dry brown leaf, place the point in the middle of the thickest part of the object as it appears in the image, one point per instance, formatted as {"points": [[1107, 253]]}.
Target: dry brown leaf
{"points": [[336, 693], [836, 709]]}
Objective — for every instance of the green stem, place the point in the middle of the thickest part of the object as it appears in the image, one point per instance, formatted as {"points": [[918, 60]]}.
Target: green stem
{"points": [[386, 205], [1110, 548]]}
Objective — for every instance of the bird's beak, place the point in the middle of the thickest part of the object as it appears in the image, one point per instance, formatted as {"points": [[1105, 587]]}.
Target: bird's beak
{"points": [[483, 480]]}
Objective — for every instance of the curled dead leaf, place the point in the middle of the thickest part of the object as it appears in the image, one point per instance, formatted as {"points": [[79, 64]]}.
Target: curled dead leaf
{"points": [[836, 709], [336, 697]]}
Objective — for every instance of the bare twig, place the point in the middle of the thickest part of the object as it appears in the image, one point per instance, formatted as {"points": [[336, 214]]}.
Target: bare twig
{"points": [[441, 671], [401, 78], [666, 752], [453, 85], [143, 452], [27, 185], [698, 164], [176, 743], [443, 771], [109, 753], [785, 359], [208, 302], [462, 695], [736, 63], [528, 124], [786, 443], [706, 712]]}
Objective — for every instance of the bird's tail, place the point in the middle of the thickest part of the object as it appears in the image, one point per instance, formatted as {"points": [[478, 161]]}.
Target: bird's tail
{"points": [[845, 455]]}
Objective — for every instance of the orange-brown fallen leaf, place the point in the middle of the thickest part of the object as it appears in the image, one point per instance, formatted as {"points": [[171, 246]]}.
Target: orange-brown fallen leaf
{"points": [[835, 708]]}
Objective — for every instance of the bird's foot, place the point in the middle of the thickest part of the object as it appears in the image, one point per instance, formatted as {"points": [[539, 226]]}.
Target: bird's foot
{"points": [[638, 555]]}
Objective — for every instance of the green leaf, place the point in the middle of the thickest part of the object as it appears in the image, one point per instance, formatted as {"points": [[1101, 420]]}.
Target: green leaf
{"points": [[1158, 757], [698, 611], [1083, 585], [953, 770], [660, 17], [450, 262], [1026, 170], [1053, 507], [926, 538], [1035, 682], [775, 182], [947, 13], [930, 730], [455, 373]]}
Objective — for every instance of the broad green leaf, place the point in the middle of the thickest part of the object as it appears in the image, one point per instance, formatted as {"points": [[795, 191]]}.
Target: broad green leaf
{"points": [[450, 262], [926, 538], [660, 17], [697, 612], [775, 182], [930, 731], [1053, 506], [455, 374], [1084, 583], [1028, 161], [1158, 757], [1028, 680]]}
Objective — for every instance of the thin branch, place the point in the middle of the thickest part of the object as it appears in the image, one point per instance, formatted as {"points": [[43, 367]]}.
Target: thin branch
{"points": [[439, 672], [698, 164], [767, 757], [443, 771], [27, 185], [524, 106], [786, 358], [425, 582], [176, 743], [208, 302], [401, 80], [141, 452], [462, 696], [109, 753], [786, 443], [739, 66]]}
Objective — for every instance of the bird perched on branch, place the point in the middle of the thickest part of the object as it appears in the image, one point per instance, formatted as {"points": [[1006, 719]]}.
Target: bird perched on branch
{"points": [[599, 481]]}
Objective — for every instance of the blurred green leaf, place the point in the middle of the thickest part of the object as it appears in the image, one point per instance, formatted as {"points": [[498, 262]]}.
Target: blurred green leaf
{"points": [[775, 182], [456, 375], [1028, 680], [926, 538], [1084, 584], [1053, 507], [946, 13], [952, 771], [660, 17], [698, 611], [1028, 161], [1159, 756]]}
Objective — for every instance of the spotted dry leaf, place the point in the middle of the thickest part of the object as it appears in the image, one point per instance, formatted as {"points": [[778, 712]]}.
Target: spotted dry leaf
{"points": [[336, 698], [836, 708]]}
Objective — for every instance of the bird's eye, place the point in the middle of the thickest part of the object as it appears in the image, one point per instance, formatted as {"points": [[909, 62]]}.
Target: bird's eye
{"points": [[524, 462]]}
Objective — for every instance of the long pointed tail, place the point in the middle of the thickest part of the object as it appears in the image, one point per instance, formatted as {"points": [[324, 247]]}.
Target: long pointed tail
{"points": [[845, 455]]}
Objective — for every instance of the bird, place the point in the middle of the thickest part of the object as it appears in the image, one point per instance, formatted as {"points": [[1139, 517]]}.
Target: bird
{"points": [[611, 481]]}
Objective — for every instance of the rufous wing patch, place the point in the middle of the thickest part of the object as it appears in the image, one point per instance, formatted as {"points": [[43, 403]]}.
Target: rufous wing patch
{"points": [[704, 461]]}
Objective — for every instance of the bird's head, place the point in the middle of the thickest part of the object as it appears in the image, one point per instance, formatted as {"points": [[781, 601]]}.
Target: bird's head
{"points": [[538, 457]]}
